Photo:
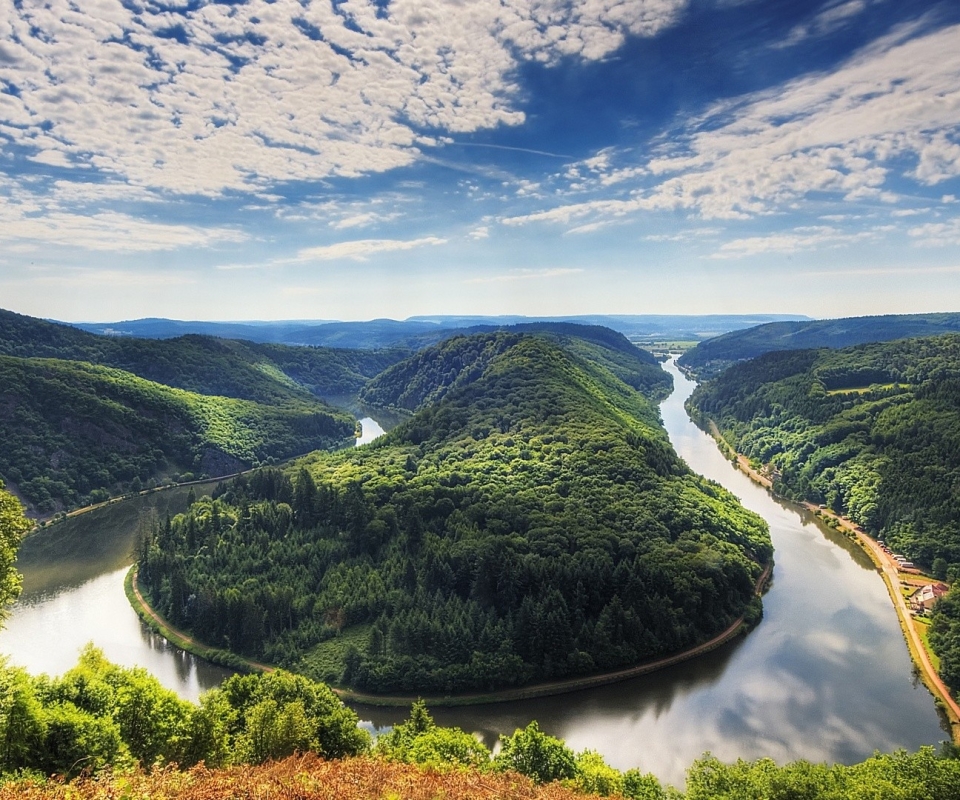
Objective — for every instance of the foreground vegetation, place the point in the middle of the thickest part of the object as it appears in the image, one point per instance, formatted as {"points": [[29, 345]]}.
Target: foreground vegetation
{"points": [[872, 432], [117, 733], [529, 522]]}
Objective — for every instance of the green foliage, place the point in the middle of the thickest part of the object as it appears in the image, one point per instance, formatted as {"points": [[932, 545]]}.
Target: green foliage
{"points": [[420, 741], [275, 714], [13, 527], [873, 432], [898, 776], [544, 758], [75, 433], [100, 715], [533, 523]]}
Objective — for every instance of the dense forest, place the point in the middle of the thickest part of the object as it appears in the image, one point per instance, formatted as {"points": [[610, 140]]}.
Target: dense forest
{"points": [[711, 357], [74, 433], [85, 417], [873, 432], [532, 523]]}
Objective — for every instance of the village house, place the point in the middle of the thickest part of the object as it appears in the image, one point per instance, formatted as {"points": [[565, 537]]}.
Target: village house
{"points": [[926, 596]]}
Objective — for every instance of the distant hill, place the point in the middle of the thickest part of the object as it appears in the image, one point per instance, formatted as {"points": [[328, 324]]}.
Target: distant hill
{"points": [[427, 377], [84, 417], [75, 433], [714, 355], [199, 363], [423, 331]]}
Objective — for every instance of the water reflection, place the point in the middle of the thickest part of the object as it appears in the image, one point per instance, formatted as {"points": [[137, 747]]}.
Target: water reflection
{"points": [[370, 430]]}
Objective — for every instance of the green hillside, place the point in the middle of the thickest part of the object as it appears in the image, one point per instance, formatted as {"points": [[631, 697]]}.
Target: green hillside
{"points": [[711, 357], [266, 373], [530, 521], [75, 433], [426, 378], [871, 431]]}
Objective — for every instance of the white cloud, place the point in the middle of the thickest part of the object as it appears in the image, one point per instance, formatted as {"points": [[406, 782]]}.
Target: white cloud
{"points": [[240, 96], [839, 134], [361, 248], [832, 17], [937, 234], [106, 231], [527, 275], [806, 238]]}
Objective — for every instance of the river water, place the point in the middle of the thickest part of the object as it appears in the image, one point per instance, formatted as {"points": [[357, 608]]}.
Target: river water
{"points": [[825, 676]]}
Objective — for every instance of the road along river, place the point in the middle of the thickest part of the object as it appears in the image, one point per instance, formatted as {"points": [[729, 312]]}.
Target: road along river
{"points": [[826, 675]]}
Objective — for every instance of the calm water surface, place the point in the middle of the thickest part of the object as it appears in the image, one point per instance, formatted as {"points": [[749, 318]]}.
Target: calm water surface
{"points": [[826, 676]]}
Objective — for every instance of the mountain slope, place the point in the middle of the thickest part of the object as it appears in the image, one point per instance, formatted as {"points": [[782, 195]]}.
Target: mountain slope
{"points": [[714, 355], [75, 433], [266, 373], [530, 521]]}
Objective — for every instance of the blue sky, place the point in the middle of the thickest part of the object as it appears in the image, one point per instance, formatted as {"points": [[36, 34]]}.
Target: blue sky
{"points": [[352, 159]]}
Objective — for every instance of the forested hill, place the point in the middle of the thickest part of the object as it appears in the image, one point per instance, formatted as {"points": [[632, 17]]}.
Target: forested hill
{"points": [[266, 373], [74, 433], [533, 523], [872, 431], [425, 378], [711, 357]]}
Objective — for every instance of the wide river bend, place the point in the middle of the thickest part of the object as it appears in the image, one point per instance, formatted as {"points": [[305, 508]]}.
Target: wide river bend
{"points": [[826, 675]]}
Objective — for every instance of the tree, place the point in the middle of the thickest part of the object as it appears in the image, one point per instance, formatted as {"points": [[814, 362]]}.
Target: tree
{"points": [[13, 527], [536, 755]]}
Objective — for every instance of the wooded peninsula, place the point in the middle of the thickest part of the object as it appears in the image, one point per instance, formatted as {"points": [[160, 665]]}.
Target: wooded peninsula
{"points": [[530, 521]]}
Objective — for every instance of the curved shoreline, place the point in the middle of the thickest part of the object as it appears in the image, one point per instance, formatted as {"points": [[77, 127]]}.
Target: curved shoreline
{"points": [[888, 571], [225, 658]]}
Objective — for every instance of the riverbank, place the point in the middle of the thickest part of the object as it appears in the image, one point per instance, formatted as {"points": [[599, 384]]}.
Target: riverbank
{"points": [[225, 658], [889, 571], [178, 638]]}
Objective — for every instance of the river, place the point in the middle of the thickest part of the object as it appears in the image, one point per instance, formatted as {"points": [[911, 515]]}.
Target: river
{"points": [[826, 675]]}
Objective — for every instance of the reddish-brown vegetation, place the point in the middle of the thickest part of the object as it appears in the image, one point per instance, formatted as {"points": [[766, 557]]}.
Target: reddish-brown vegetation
{"points": [[297, 778]]}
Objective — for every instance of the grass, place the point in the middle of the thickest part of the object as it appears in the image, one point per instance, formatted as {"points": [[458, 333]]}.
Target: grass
{"points": [[923, 628], [305, 777], [872, 388], [325, 661]]}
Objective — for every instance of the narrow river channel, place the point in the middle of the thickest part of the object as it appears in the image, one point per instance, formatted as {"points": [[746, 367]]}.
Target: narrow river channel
{"points": [[826, 676]]}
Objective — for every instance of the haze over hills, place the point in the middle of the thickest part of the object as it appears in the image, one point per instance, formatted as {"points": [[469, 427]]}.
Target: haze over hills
{"points": [[421, 331], [711, 357]]}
